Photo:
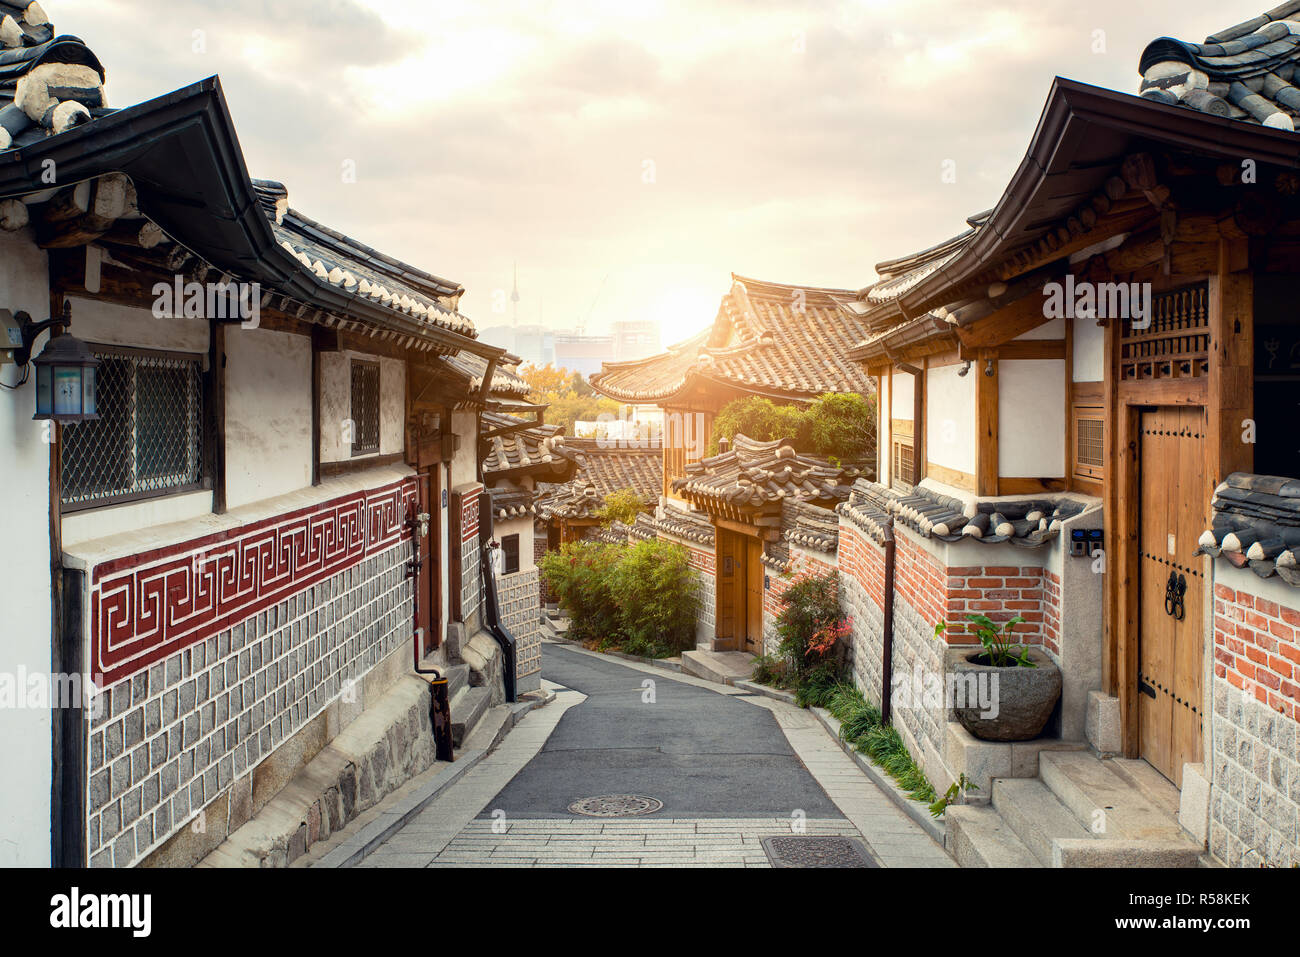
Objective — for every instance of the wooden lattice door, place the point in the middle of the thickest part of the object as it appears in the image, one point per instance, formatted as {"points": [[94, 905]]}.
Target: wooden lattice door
{"points": [[1172, 588]]}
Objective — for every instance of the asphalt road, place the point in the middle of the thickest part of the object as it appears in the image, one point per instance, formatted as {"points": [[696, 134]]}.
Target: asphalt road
{"points": [[702, 753]]}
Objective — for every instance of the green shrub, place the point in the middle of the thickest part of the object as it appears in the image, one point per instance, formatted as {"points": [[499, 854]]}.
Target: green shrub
{"points": [[760, 419], [810, 625], [838, 425], [581, 576], [818, 685], [653, 588], [622, 505]]}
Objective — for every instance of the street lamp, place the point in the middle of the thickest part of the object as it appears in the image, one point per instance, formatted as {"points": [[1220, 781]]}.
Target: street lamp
{"points": [[65, 370]]}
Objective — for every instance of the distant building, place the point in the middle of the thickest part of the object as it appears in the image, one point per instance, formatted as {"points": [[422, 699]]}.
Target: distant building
{"points": [[636, 339], [584, 354], [533, 344]]}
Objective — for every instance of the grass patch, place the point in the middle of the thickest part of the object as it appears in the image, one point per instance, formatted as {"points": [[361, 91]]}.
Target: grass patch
{"points": [[861, 726]]}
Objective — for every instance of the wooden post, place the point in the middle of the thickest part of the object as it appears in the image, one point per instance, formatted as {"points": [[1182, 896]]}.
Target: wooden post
{"points": [[217, 403], [986, 423], [1231, 397], [1110, 510]]}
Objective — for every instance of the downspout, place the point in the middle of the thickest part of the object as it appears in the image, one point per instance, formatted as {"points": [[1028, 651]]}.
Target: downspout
{"points": [[440, 701], [491, 605], [887, 650]]}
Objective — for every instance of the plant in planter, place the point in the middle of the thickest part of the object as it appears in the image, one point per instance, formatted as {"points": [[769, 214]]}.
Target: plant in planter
{"points": [[1006, 692]]}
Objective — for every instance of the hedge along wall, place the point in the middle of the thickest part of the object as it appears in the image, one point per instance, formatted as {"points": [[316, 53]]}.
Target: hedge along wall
{"points": [[1255, 727]]}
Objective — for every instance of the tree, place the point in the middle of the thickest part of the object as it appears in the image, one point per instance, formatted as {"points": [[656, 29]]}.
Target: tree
{"points": [[567, 393], [837, 425]]}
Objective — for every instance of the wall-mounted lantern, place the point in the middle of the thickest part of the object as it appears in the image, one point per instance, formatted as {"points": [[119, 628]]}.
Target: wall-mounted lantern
{"points": [[65, 370]]}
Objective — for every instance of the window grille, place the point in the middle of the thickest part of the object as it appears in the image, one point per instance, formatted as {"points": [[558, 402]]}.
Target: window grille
{"points": [[1088, 448], [148, 439], [510, 554], [903, 472], [1174, 343], [365, 407]]}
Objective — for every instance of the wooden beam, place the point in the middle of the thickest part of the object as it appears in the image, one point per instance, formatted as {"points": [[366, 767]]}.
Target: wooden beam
{"points": [[953, 477], [1164, 392], [1023, 349], [986, 424], [1023, 485], [1004, 325]]}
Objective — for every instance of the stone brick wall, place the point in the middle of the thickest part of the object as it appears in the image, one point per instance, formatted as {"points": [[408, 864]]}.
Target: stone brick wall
{"points": [[519, 611], [862, 588], [173, 736], [471, 584], [1255, 733], [804, 564], [703, 563]]}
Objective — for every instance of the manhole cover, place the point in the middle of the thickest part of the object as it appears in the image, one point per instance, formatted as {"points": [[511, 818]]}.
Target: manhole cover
{"points": [[817, 852], [616, 805]]}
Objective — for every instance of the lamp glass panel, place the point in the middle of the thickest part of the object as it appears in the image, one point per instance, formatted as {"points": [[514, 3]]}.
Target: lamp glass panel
{"points": [[44, 393], [88, 390], [67, 390]]}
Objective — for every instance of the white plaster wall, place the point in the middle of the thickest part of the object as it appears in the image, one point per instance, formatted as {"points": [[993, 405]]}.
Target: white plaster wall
{"points": [[1089, 351], [884, 403], [1052, 329], [902, 401], [114, 520], [336, 404], [268, 414], [950, 418], [108, 323], [523, 527], [464, 465], [1031, 418], [25, 644]]}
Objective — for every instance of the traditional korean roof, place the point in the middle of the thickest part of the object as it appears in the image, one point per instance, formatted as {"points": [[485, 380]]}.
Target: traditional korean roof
{"points": [[510, 503], [767, 339], [691, 526], [576, 499], [48, 84], [1257, 524], [474, 367], [1028, 522], [182, 155], [805, 526], [1245, 72], [357, 267], [538, 450], [753, 474], [611, 465]]}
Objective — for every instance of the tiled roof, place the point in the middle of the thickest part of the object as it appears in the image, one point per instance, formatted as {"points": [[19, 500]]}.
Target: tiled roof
{"points": [[504, 382], [1026, 522], [356, 267], [753, 474], [610, 466], [1257, 523], [511, 502], [769, 339], [48, 84], [576, 499], [691, 526], [1245, 72], [539, 450], [804, 526]]}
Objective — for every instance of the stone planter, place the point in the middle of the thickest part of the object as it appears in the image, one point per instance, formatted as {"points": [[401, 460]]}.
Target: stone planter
{"points": [[1022, 698]]}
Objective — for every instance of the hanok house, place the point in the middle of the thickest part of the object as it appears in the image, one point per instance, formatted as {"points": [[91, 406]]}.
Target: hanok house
{"points": [[789, 344], [569, 511], [519, 455], [1072, 391], [256, 520]]}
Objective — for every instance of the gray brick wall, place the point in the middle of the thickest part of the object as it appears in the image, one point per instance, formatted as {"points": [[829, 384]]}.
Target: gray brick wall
{"points": [[915, 644], [1255, 791], [172, 738], [520, 610], [471, 585], [867, 643]]}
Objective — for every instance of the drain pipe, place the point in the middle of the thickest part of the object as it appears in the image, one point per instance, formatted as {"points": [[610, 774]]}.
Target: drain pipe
{"points": [[440, 703], [887, 651], [492, 606]]}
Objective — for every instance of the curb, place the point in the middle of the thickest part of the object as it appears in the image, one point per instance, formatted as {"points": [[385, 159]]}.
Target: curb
{"points": [[766, 691], [667, 664], [917, 811]]}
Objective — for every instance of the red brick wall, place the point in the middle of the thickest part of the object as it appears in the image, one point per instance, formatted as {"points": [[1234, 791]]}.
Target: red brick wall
{"points": [[862, 559], [1001, 592], [701, 561], [804, 566], [1257, 648]]}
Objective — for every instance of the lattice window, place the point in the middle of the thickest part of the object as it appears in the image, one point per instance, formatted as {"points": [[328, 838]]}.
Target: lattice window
{"points": [[1176, 343], [148, 439], [1089, 453], [510, 554], [365, 407], [903, 473]]}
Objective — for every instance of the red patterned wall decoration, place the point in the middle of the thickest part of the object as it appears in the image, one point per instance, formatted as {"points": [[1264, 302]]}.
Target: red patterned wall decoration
{"points": [[144, 607]]}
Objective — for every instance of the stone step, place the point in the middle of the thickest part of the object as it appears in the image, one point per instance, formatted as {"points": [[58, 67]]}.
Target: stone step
{"points": [[724, 667], [1087, 785], [979, 837], [1155, 787], [466, 711], [1035, 815], [457, 680]]}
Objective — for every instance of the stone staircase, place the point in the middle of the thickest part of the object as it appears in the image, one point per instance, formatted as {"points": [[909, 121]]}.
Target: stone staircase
{"points": [[1081, 811], [468, 703], [724, 667]]}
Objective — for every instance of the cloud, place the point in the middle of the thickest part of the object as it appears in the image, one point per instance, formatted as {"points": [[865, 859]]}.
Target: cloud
{"points": [[797, 141]]}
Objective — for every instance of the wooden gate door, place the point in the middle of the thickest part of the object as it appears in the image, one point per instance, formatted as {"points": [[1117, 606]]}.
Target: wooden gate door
{"points": [[730, 589], [753, 596], [427, 611], [1172, 503]]}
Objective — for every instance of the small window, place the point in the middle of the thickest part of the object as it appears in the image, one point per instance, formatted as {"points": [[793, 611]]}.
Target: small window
{"points": [[365, 407], [510, 554], [902, 461], [1088, 443], [148, 439]]}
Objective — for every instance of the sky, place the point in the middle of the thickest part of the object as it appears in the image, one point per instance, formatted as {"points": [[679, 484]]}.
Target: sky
{"points": [[627, 157]]}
